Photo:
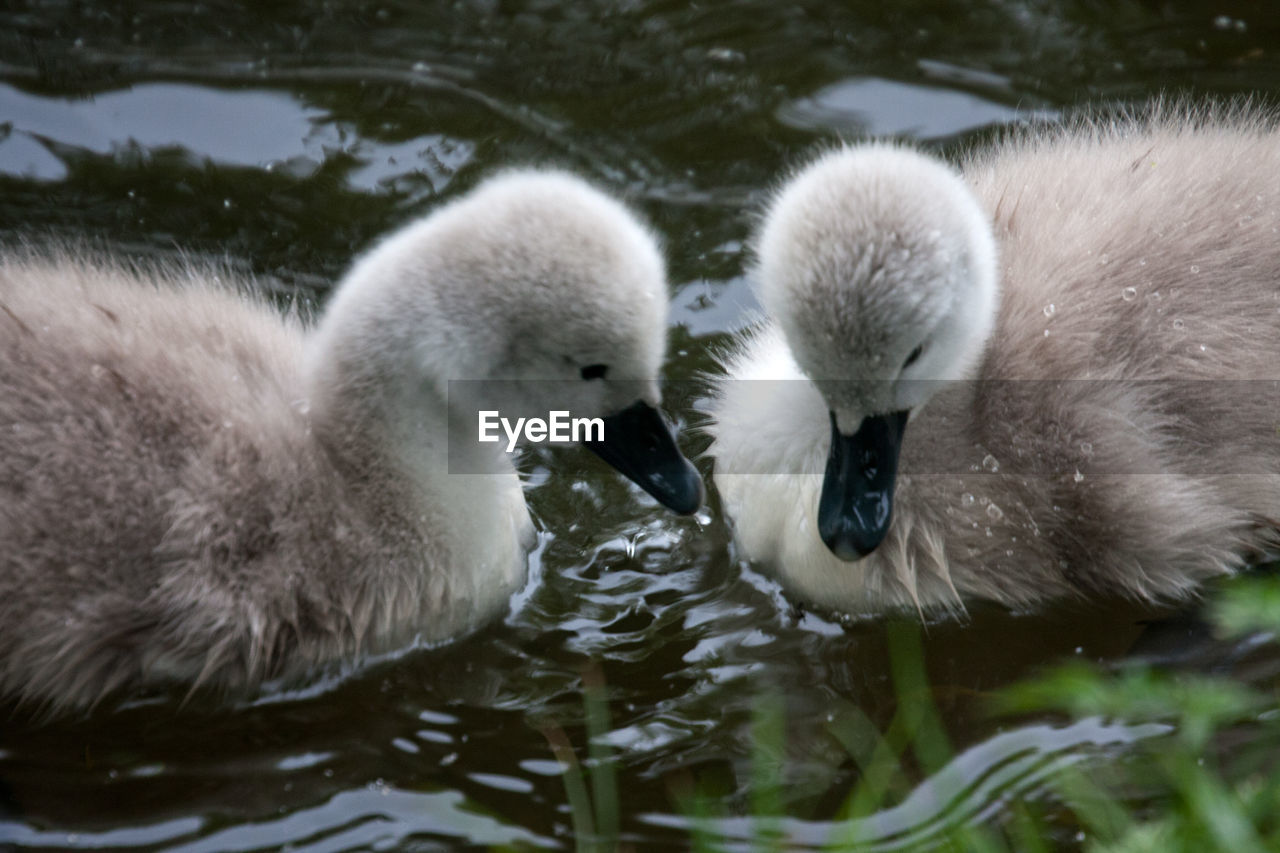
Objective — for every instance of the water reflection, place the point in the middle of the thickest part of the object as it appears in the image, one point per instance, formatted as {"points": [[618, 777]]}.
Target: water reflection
{"points": [[969, 788], [379, 816], [868, 106], [267, 129]]}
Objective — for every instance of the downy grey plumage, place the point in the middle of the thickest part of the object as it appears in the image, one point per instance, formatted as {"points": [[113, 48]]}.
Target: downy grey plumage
{"points": [[194, 489], [1137, 259]]}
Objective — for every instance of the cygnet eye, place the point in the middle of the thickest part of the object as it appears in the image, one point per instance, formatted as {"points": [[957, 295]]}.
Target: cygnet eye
{"points": [[914, 357], [594, 371]]}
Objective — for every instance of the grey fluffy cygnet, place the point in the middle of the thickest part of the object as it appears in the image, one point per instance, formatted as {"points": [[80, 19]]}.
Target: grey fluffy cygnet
{"points": [[194, 489], [1048, 374]]}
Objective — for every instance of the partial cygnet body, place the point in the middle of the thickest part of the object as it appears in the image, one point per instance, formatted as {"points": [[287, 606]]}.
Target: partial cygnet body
{"points": [[195, 490], [1053, 376]]}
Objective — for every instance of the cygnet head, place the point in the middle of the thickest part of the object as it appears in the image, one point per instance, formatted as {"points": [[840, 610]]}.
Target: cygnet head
{"points": [[879, 266], [542, 294]]}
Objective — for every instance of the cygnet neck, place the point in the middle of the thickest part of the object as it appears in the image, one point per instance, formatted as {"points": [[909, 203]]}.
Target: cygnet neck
{"points": [[376, 378]]}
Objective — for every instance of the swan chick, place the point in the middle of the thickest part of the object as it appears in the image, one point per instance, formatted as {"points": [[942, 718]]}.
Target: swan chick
{"points": [[978, 384], [195, 490]]}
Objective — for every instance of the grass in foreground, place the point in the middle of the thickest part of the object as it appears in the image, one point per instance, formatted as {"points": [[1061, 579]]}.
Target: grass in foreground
{"points": [[1144, 760]]}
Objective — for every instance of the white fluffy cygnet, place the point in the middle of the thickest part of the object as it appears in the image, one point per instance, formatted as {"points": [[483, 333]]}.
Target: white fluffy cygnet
{"points": [[1050, 374], [194, 489]]}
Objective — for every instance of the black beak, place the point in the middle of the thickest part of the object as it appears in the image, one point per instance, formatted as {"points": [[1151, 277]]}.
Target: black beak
{"points": [[857, 492], [639, 444]]}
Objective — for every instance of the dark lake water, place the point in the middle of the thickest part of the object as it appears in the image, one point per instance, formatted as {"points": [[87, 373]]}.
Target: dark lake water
{"points": [[284, 137]]}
